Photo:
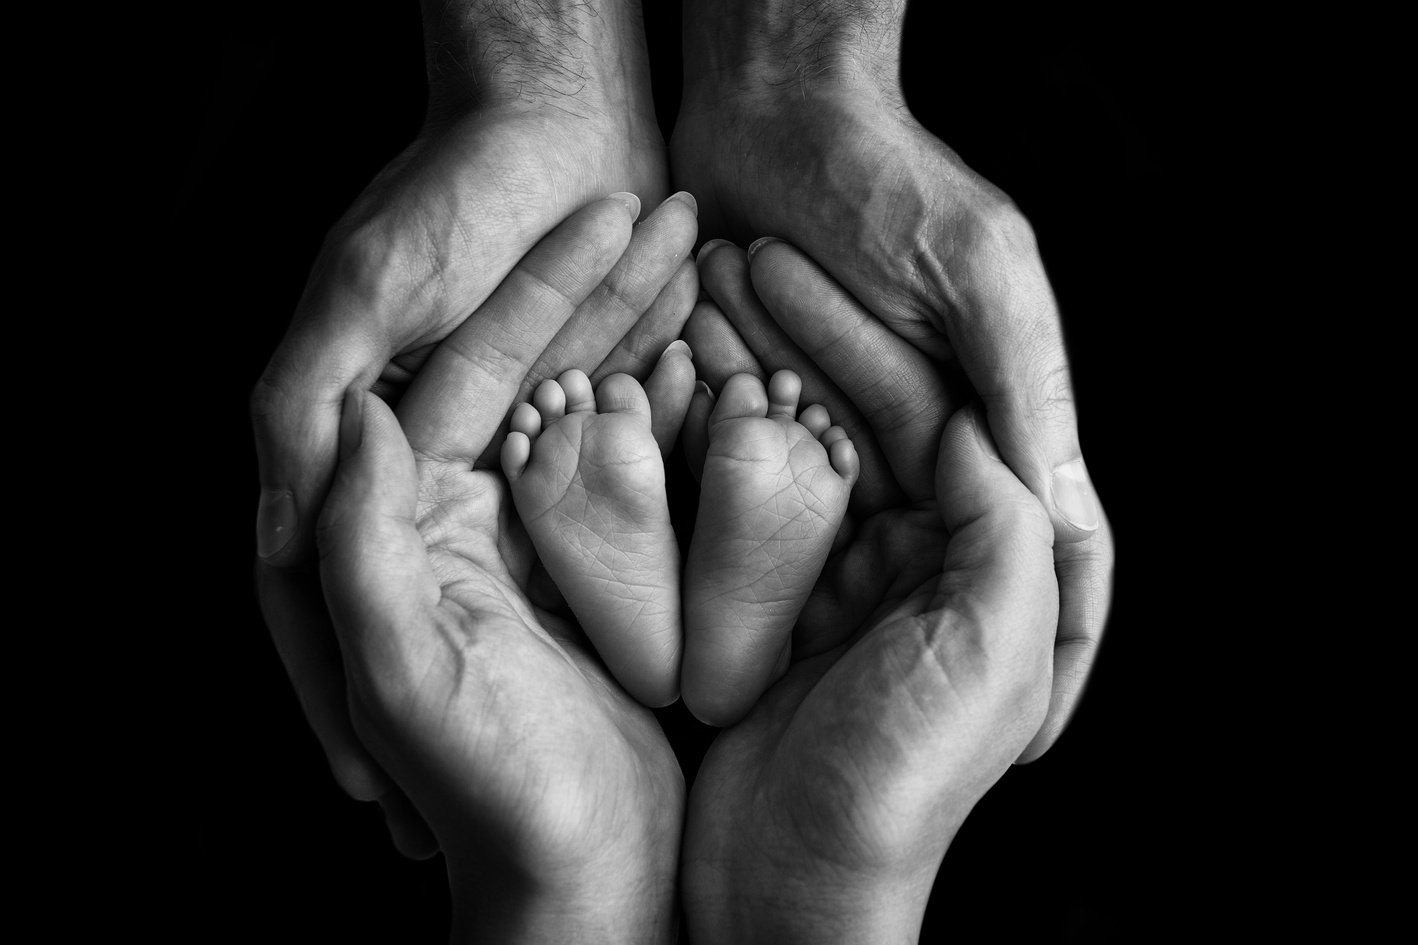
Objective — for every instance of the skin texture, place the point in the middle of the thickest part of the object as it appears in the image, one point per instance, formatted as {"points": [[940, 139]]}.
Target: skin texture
{"points": [[773, 491], [391, 675], [919, 673], [552, 793], [588, 478], [516, 139], [792, 125]]}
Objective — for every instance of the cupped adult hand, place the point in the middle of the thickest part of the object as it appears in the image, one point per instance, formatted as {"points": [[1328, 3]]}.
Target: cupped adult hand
{"points": [[515, 141], [792, 125], [920, 667], [554, 795]]}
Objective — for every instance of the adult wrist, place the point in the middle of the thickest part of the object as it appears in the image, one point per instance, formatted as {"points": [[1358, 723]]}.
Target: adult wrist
{"points": [[502, 903], [587, 56], [782, 912], [789, 44]]}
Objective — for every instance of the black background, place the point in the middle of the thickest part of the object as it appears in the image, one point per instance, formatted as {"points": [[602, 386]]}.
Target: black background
{"points": [[1078, 119]]}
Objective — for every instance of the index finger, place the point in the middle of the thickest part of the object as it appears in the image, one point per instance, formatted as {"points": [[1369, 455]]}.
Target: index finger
{"points": [[456, 404], [900, 391]]}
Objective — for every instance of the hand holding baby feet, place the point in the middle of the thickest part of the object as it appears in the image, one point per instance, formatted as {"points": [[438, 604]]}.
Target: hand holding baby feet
{"points": [[588, 481], [774, 490]]}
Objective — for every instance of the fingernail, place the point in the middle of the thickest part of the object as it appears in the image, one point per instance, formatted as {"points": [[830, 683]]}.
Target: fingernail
{"points": [[351, 422], [1073, 496], [679, 344], [704, 388], [630, 202], [709, 247], [275, 521], [759, 243], [982, 433], [686, 198]]}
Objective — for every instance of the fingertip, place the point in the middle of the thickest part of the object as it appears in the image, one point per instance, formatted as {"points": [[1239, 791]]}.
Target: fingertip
{"points": [[1074, 501], [629, 201], [277, 521], [357, 775], [759, 244], [708, 248], [408, 831], [975, 416], [677, 348]]}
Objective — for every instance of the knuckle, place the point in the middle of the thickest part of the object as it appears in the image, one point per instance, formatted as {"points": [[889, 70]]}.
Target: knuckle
{"points": [[366, 260]]}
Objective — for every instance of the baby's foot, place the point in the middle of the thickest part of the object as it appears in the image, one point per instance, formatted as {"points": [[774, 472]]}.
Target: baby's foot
{"points": [[773, 493], [588, 481]]}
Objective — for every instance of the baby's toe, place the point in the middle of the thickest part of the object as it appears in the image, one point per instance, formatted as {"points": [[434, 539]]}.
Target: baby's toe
{"points": [[816, 419], [527, 420], [784, 389], [841, 454], [576, 387], [550, 400], [743, 396], [621, 393]]}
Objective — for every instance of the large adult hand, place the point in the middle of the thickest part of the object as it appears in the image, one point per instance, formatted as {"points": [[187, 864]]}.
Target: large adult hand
{"points": [[553, 794], [531, 116], [920, 667], [792, 125]]}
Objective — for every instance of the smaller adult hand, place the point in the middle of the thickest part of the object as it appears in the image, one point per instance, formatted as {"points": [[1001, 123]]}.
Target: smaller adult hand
{"points": [[553, 795], [515, 141], [920, 668]]}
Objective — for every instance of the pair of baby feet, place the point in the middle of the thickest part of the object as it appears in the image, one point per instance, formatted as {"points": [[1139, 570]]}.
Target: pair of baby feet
{"points": [[588, 480]]}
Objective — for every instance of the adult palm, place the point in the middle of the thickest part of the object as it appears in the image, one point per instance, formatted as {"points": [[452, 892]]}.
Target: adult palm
{"points": [[554, 795], [920, 665]]}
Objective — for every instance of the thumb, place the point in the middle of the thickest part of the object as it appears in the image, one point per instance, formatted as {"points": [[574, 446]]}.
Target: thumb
{"points": [[374, 567], [1012, 347], [295, 415], [998, 574]]}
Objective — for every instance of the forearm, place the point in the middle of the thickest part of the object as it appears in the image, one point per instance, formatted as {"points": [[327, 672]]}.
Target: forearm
{"points": [[783, 42], [591, 52]]}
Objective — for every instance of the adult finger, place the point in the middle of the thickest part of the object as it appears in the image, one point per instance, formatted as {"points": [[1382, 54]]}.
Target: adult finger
{"points": [[295, 611], [954, 677], [724, 273], [670, 389], [899, 390], [457, 402], [1085, 576], [987, 622], [295, 413], [719, 354], [639, 349], [294, 607], [647, 283], [379, 585], [1005, 328], [636, 288]]}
